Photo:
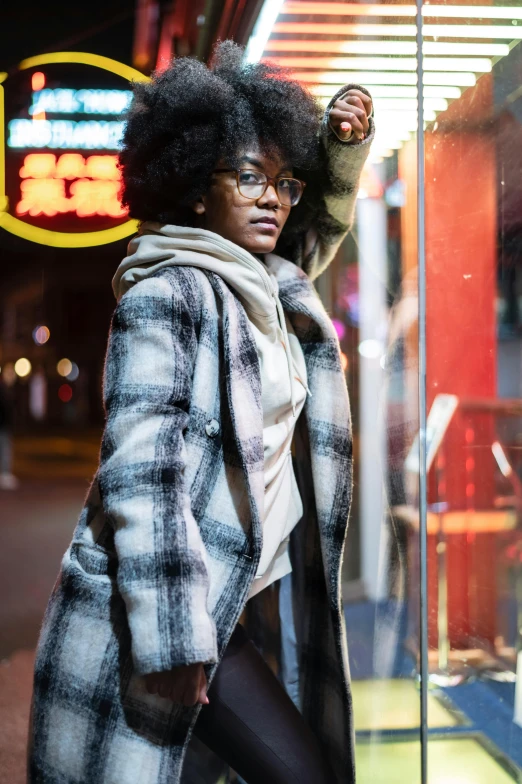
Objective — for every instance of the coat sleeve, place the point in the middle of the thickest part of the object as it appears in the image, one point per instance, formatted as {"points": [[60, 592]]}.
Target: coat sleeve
{"points": [[344, 163], [162, 562]]}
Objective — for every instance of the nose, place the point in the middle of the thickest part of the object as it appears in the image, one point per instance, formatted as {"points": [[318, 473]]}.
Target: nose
{"points": [[269, 197]]}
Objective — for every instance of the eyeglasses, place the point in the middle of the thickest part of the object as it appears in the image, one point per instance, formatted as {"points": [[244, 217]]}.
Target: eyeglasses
{"points": [[253, 184]]}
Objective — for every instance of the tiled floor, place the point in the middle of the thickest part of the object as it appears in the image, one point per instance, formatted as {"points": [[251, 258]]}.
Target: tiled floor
{"points": [[455, 761], [394, 705]]}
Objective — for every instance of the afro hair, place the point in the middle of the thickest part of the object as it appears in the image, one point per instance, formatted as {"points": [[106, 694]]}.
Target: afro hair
{"points": [[190, 116]]}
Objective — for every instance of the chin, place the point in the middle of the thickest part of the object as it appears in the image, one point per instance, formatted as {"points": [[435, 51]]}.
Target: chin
{"points": [[260, 246]]}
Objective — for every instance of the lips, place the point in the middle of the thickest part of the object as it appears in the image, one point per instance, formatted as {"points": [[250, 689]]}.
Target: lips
{"points": [[267, 220]]}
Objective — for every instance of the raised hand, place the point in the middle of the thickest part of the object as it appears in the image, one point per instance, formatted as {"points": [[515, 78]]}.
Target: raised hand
{"points": [[186, 684], [349, 115]]}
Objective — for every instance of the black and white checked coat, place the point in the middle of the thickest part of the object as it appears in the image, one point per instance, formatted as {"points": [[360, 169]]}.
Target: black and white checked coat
{"points": [[163, 557]]}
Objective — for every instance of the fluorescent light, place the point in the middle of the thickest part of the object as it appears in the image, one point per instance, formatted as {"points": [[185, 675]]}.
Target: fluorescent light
{"points": [[341, 78], [401, 31], [474, 64], [473, 31], [263, 27], [409, 104], [401, 114], [403, 118], [387, 47], [391, 91], [364, 9]]}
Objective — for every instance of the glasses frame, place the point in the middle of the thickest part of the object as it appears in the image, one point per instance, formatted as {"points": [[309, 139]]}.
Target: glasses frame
{"points": [[273, 181]]}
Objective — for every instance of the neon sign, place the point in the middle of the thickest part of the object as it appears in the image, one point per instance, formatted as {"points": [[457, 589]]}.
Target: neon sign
{"points": [[70, 184], [65, 134], [63, 182], [66, 101]]}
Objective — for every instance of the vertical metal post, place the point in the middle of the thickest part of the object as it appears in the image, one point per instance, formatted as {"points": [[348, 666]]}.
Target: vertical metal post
{"points": [[423, 511]]}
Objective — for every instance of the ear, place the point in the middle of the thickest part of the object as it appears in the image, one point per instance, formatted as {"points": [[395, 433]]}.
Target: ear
{"points": [[198, 206]]}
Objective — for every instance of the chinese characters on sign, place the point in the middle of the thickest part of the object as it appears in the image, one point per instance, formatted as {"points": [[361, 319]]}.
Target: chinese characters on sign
{"points": [[70, 183]]}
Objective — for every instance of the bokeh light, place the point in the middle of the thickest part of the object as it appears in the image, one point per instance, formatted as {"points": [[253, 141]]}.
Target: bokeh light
{"points": [[65, 393], [22, 367], [75, 372], [8, 374], [41, 335], [64, 367], [344, 361]]}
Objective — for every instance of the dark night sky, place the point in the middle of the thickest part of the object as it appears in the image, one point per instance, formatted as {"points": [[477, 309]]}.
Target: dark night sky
{"points": [[31, 28]]}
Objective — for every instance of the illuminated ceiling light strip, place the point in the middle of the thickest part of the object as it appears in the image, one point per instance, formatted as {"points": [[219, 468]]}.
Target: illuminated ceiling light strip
{"points": [[401, 31], [388, 47], [409, 104], [392, 91], [474, 64], [85, 58], [473, 31], [392, 9], [340, 78], [262, 30]]}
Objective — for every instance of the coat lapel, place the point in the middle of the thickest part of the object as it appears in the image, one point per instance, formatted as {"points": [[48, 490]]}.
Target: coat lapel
{"points": [[243, 388]]}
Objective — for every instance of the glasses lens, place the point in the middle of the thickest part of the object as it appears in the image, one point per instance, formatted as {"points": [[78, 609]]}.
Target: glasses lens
{"points": [[251, 183], [289, 191]]}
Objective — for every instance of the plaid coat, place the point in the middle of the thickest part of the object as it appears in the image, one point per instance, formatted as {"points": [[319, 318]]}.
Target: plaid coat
{"points": [[162, 559]]}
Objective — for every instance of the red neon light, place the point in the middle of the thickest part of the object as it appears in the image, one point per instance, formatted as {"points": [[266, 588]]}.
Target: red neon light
{"points": [[70, 166], [38, 166], [37, 81], [96, 197], [94, 185]]}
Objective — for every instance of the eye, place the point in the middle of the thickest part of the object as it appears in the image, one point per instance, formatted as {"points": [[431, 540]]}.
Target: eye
{"points": [[249, 177]]}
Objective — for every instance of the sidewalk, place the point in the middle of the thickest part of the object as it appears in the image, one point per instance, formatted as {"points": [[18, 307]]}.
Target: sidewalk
{"points": [[16, 675]]}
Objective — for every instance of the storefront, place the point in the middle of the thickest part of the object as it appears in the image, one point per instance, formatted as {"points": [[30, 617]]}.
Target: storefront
{"points": [[426, 300]]}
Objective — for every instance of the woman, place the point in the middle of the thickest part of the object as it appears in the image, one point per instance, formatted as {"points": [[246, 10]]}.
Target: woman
{"points": [[217, 346]]}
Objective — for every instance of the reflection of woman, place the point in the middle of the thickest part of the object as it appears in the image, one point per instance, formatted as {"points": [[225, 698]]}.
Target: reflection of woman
{"points": [[216, 346]]}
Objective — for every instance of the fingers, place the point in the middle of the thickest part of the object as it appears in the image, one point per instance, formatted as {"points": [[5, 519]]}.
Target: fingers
{"points": [[203, 699], [191, 690], [343, 111], [363, 99], [186, 685], [350, 114]]}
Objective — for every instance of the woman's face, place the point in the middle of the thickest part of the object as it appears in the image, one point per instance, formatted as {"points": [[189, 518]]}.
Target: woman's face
{"points": [[254, 225]]}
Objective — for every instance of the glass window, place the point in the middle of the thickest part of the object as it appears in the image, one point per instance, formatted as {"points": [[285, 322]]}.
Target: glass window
{"points": [[450, 533]]}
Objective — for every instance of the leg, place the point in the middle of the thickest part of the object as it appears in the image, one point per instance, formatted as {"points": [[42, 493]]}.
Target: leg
{"points": [[254, 726]]}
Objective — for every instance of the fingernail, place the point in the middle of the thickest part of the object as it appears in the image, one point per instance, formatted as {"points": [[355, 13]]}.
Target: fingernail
{"points": [[345, 127]]}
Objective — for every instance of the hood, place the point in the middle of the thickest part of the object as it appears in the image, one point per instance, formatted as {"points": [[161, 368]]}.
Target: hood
{"points": [[159, 245]]}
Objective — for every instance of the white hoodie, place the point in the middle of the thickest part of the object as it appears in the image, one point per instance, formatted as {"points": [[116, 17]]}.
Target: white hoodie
{"points": [[281, 362]]}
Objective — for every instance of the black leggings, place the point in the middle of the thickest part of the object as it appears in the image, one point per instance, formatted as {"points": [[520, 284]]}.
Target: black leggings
{"points": [[253, 725]]}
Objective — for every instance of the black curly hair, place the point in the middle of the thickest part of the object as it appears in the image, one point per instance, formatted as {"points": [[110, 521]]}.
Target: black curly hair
{"points": [[190, 116]]}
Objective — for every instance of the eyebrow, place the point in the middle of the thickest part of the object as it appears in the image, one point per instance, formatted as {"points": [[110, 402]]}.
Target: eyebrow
{"points": [[255, 162]]}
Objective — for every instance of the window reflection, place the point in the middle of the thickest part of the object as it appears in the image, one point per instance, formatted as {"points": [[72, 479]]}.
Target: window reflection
{"points": [[473, 200]]}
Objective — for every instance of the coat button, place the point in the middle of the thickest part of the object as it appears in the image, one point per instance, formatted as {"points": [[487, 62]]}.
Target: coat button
{"points": [[212, 428]]}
